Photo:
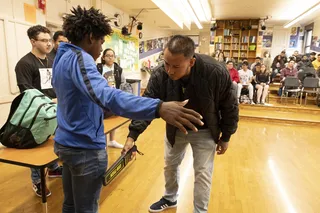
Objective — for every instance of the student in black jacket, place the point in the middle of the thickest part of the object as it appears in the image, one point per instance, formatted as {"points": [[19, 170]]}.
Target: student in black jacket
{"points": [[208, 87]]}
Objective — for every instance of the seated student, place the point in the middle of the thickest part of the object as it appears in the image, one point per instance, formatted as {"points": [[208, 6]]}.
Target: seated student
{"points": [[30, 70], [233, 74], [290, 70], [316, 63], [277, 66], [306, 71], [262, 84], [239, 67], [258, 60], [246, 76], [312, 56], [112, 72]]}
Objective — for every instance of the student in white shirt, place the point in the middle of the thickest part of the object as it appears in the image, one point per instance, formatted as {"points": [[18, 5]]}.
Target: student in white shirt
{"points": [[246, 76]]}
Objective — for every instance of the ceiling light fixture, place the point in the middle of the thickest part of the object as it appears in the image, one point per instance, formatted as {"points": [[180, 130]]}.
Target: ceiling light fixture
{"points": [[197, 8], [207, 9], [303, 15], [189, 10], [167, 9]]}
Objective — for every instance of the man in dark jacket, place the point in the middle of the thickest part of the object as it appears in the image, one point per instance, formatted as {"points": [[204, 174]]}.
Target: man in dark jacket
{"points": [[208, 87]]}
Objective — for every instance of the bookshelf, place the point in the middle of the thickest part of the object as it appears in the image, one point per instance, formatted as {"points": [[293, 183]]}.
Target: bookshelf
{"points": [[237, 38]]}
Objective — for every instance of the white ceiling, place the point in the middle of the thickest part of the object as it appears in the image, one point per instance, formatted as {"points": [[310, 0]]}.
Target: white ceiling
{"points": [[282, 11]]}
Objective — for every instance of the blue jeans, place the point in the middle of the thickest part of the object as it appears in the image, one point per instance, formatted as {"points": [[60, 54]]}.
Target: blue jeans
{"points": [[81, 177], [35, 173]]}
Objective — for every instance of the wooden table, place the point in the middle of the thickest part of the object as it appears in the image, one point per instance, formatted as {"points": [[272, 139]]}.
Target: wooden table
{"points": [[38, 158], [42, 156]]}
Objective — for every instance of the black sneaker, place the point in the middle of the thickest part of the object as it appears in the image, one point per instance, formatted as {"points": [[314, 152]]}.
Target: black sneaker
{"points": [[161, 205], [37, 189], [57, 173]]}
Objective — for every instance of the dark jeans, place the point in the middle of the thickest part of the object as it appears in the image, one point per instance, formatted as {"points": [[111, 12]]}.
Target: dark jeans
{"points": [[82, 178]]}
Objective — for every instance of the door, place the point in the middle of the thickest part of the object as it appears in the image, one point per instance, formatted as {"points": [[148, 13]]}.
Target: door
{"points": [[280, 41]]}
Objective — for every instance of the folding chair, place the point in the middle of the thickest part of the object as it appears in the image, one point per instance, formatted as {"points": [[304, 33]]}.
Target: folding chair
{"points": [[311, 86], [291, 84]]}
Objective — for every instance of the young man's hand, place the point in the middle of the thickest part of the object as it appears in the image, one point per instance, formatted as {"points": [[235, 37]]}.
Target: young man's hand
{"points": [[175, 114], [222, 147], [129, 144]]}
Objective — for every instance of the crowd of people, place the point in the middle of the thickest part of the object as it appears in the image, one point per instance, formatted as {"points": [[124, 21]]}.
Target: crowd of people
{"points": [[252, 80]]}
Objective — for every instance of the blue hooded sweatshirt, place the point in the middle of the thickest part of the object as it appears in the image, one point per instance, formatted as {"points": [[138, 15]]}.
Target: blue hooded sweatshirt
{"points": [[82, 93]]}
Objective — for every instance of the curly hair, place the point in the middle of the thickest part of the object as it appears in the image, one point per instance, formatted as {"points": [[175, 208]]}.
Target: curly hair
{"points": [[34, 31], [82, 22]]}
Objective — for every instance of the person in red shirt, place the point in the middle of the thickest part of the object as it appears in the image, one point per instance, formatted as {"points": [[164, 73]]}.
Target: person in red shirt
{"points": [[234, 75]]}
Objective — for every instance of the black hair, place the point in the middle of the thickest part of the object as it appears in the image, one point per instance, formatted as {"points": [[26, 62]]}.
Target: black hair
{"points": [[318, 54], [258, 64], [104, 53], [34, 31], [180, 44], [245, 63], [82, 22], [57, 34], [258, 58], [292, 59], [229, 62], [313, 53]]}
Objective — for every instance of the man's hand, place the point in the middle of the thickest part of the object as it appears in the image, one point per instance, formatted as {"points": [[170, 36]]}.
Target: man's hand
{"points": [[55, 100], [175, 114], [129, 144], [222, 147]]}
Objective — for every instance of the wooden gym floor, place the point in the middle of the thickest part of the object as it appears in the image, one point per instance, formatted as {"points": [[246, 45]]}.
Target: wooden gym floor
{"points": [[272, 166]]}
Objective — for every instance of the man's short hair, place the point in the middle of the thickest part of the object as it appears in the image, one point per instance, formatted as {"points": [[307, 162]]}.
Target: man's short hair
{"points": [[229, 62], [57, 34], [292, 59], [180, 44], [82, 22], [34, 31], [283, 51], [313, 53], [258, 65], [245, 63], [318, 54], [258, 58]]}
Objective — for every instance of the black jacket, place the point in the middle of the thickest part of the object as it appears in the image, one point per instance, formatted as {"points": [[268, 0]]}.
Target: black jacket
{"points": [[212, 84], [117, 73]]}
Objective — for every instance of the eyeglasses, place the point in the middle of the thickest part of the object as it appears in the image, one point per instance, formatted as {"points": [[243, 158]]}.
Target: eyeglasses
{"points": [[109, 56], [45, 40]]}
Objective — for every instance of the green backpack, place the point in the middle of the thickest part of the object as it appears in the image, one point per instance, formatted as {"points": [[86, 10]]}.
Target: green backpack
{"points": [[32, 120]]}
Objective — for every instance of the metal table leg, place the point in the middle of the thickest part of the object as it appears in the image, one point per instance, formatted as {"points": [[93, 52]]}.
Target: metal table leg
{"points": [[43, 190]]}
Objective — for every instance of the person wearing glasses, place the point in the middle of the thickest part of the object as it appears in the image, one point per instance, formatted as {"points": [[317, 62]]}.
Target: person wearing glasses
{"points": [[32, 72], [112, 72]]}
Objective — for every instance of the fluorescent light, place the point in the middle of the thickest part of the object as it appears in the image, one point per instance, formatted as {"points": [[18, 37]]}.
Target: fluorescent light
{"points": [[206, 8], [303, 15], [190, 12], [165, 6], [197, 8]]}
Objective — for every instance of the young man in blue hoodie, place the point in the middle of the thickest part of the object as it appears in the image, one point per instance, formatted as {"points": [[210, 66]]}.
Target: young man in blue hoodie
{"points": [[82, 95]]}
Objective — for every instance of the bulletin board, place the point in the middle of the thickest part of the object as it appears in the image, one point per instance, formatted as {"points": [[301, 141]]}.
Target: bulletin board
{"points": [[126, 49]]}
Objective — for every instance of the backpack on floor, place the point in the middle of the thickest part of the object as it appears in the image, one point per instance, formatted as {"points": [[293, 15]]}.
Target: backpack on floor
{"points": [[31, 121]]}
